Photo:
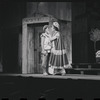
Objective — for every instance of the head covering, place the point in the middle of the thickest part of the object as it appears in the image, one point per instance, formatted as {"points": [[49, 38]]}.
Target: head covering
{"points": [[45, 26], [56, 24]]}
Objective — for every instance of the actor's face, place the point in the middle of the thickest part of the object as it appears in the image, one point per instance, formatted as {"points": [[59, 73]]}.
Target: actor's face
{"points": [[52, 28], [47, 30]]}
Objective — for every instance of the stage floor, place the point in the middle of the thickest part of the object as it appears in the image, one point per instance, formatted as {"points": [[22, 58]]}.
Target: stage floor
{"points": [[67, 76], [35, 86]]}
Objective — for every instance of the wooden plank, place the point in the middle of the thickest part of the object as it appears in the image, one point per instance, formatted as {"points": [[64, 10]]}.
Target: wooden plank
{"points": [[30, 49], [38, 32], [34, 20], [24, 48]]}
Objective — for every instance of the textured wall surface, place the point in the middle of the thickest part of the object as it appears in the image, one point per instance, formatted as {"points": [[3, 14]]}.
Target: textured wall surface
{"points": [[60, 10], [67, 37]]}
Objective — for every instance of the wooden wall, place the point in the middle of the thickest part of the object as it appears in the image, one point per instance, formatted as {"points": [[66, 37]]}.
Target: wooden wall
{"points": [[61, 10], [82, 47], [79, 33]]}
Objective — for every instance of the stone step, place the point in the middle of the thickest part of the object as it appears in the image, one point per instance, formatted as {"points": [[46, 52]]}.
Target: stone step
{"points": [[86, 65], [87, 71]]}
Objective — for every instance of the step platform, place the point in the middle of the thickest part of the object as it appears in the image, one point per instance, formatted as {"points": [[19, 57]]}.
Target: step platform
{"points": [[84, 68]]}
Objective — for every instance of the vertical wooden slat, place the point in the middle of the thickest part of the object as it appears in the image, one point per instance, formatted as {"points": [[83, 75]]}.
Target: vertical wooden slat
{"points": [[30, 50], [38, 30], [24, 48], [20, 52], [35, 49], [37, 43]]}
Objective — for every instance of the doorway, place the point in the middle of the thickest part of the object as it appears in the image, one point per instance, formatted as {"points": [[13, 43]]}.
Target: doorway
{"points": [[34, 47], [31, 48]]}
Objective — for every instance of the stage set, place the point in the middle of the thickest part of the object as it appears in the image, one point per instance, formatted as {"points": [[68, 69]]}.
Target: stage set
{"points": [[21, 75]]}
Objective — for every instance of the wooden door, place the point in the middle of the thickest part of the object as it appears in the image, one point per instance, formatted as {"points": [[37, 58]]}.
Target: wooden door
{"points": [[37, 48], [34, 48]]}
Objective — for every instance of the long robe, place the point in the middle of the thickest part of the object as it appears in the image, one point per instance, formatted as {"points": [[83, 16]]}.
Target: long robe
{"points": [[58, 58]]}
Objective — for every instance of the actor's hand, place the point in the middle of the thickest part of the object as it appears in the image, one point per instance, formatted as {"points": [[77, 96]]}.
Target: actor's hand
{"points": [[43, 52]]}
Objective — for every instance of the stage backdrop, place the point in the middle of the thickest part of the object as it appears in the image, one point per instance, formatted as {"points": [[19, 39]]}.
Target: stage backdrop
{"points": [[60, 10]]}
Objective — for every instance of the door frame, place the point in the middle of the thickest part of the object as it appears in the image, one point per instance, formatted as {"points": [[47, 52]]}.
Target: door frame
{"points": [[25, 22]]}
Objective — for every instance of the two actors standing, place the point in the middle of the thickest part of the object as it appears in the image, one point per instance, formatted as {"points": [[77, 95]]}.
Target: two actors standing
{"points": [[54, 57]]}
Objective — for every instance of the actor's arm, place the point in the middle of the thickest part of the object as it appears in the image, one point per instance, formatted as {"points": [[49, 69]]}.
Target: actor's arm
{"points": [[42, 44], [55, 36]]}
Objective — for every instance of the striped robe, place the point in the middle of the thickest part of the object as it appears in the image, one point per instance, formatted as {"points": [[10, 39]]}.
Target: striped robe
{"points": [[58, 58]]}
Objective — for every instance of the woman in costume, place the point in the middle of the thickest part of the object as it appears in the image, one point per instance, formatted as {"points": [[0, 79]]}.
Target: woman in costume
{"points": [[58, 57]]}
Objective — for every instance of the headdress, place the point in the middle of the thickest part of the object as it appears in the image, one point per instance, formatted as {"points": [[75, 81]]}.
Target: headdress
{"points": [[56, 24], [45, 26]]}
